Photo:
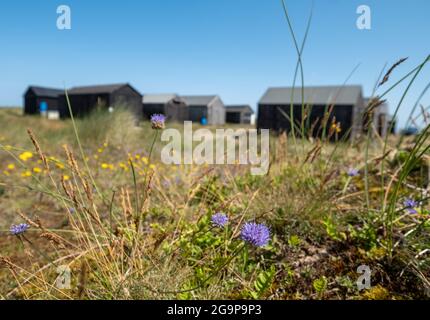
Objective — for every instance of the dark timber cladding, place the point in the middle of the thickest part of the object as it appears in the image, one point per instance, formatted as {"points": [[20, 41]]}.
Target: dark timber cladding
{"points": [[345, 102], [210, 108], [83, 100], [238, 114], [170, 105], [37, 97]]}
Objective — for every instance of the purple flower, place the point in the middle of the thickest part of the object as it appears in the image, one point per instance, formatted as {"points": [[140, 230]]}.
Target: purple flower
{"points": [[18, 229], [219, 220], [157, 121], [410, 205], [352, 172], [256, 234]]}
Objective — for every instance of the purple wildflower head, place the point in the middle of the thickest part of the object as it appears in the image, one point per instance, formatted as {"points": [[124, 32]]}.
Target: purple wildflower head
{"points": [[352, 172], [157, 121], [219, 219], [256, 234], [18, 229], [410, 205]]}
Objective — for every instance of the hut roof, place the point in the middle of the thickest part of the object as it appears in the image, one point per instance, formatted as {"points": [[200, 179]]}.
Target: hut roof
{"points": [[199, 100], [45, 92], [343, 95], [99, 89], [159, 98], [239, 108]]}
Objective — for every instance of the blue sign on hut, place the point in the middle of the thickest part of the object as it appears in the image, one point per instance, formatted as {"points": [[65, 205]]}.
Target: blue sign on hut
{"points": [[43, 107]]}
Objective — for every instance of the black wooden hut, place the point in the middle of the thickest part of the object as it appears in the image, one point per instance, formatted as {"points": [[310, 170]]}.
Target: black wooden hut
{"points": [[41, 98], [84, 100], [210, 108], [238, 114], [346, 104], [170, 105]]}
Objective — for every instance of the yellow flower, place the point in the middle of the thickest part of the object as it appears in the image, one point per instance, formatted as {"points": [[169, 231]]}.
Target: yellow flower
{"points": [[96, 156], [105, 144], [65, 178], [99, 150], [11, 166], [123, 166], [25, 155], [107, 166], [26, 174], [336, 127], [37, 170], [59, 165], [145, 160], [137, 156], [152, 166]]}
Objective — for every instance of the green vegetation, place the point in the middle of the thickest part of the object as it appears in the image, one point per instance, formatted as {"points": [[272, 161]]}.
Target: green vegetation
{"points": [[131, 227]]}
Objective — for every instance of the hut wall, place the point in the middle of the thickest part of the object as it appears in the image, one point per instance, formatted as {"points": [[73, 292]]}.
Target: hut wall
{"points": [[173, 111], [83, 104], [381, 120], [216, 112], [152, 108], [176, 111], [246, 117], [233, 117], [238, 115], [266, 117], [196, 113], [128, 98], [357, 120], [277, 118], [32, 103]]}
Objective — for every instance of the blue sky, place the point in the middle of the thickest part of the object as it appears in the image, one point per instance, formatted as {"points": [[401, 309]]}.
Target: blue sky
{"points": [[234, 48]]}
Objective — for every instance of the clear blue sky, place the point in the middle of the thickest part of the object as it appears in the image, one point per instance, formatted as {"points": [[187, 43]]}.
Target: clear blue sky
{"points": [[234, 48]]}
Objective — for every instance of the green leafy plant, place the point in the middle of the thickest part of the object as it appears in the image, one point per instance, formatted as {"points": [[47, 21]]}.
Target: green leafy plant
{"points": [[332, 231], [263, 283], [320, 286], [294, 241]]}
